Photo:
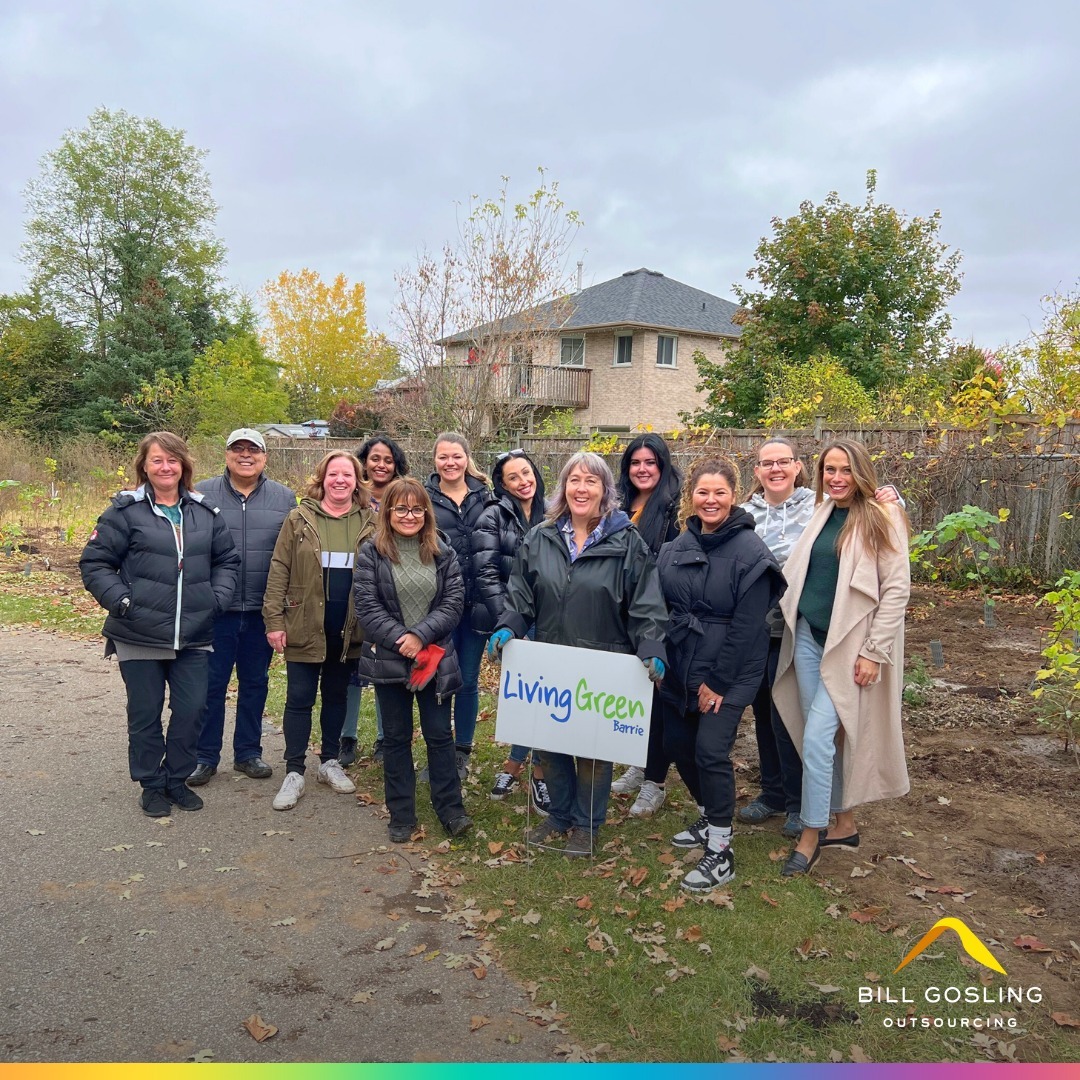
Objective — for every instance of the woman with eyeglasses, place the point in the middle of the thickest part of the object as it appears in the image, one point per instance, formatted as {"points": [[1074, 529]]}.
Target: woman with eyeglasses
{"points": [[382, 460], [782, 504], [516, 507], [459, 492], [649, 490], [584, 578], [409, 598], [840, 673], [309, 616]]}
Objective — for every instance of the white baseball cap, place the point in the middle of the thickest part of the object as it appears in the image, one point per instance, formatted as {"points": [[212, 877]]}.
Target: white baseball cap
{"points": [[246, 434]]}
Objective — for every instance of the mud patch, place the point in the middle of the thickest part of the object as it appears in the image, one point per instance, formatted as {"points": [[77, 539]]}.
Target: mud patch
{"points": [[818, 1014]]}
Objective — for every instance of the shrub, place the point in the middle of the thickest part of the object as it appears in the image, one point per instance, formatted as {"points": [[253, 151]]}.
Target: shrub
{"points": [[1058, 689]]}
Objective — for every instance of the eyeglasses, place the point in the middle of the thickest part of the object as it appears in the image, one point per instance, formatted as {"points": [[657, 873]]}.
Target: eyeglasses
{"points": [[510, 454], [783, 462], [241, 448], [408, 511]]}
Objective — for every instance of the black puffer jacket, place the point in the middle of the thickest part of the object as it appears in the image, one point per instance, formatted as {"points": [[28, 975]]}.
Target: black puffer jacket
{"points": [[718, 588], [379, 613], [499, 533], [254, 522], [458, 524], [608, 599], [132, 553]]}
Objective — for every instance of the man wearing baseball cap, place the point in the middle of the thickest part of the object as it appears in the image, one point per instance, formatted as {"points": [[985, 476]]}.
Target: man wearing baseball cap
{"points": [[254, 508]]}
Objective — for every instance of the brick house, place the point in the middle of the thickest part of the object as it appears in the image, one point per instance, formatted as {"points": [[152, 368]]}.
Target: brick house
{"points": [[619, 355]]}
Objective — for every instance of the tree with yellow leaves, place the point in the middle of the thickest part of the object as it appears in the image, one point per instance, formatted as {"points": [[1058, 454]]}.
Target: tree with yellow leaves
{"points": [[319, 337]]}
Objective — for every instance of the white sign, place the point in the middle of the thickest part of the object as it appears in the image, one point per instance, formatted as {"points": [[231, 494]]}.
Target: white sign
{"points": [[583, 702]]}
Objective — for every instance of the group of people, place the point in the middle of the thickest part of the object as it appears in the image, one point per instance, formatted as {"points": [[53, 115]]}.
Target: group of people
{"points": [[792, 603]]}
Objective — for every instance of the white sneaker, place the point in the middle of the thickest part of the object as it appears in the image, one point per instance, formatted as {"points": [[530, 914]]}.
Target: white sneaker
{"points": [[292, 790], [629, 781], [650, 799], [331, 772]]}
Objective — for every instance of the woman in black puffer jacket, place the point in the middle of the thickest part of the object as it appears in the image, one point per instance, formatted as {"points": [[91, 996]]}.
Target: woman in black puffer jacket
{"points": [[162, 562], [517, 507], [719, 580], [408, 595], [459, 493]]}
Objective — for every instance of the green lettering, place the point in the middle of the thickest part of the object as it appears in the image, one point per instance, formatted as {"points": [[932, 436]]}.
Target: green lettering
{"points": [[582, 697], [609, 706], [620, 708], [637, 708]]}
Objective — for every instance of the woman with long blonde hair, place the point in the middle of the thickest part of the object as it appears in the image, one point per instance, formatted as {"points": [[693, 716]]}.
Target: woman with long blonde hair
{"points": [[840, 672]]}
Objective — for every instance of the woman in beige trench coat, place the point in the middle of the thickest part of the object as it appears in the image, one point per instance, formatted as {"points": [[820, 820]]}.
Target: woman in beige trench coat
{"points": [[841, 668]]}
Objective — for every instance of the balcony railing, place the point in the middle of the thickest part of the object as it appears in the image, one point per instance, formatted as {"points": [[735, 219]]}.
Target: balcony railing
{"points": [[530, 384]]}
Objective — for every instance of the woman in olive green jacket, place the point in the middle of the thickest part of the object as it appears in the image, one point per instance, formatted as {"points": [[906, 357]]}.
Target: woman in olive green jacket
{"points": [[309, 615]]}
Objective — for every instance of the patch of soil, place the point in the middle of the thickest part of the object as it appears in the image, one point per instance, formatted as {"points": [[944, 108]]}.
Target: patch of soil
{"points": [[818, 1014]]}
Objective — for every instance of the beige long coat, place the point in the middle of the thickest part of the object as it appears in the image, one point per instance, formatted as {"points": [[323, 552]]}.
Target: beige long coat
{"points": [[867, 620]]}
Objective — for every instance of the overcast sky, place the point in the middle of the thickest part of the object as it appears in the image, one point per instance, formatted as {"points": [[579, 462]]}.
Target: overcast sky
{"points": [[341, 135]]}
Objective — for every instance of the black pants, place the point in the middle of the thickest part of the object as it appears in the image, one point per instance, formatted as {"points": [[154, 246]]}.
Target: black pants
{"points": [[161, 758], [399, 775], [304, 680], [657, 759], [701, 746], [781, 766]]}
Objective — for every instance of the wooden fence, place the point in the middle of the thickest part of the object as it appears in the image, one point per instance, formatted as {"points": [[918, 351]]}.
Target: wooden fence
{"points": [[1032, 471]]}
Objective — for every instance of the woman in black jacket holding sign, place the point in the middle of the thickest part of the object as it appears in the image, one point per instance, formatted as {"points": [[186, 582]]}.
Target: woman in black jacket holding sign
{"points": [[409, 596], [162, 562], [585, 578], [719, 581]]}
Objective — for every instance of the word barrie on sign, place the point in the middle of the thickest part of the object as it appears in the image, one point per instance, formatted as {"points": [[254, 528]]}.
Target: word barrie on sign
{"points": [[583, 702]]}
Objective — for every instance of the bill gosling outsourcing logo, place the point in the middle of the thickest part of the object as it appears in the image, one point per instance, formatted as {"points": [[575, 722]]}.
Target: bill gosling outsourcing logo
{"points": [[951, 995]]}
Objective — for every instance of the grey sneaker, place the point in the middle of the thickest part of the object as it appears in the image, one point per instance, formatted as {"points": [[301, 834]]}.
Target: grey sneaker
{"points": [[580, 843], [696, 834], [792, 827], [543, 833], [649, 799], [756, 812], [630, 781], [292, 790], [716, 868], [331, 772]]}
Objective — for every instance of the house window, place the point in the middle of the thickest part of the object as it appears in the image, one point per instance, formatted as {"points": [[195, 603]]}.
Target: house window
{"points": [[573, 352], [665, 350], [624, 350]]}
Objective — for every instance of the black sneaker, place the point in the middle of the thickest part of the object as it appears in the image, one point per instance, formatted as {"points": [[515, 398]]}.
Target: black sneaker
{"points": [[377, 752], [346, 752], [504, 783], [694, 835], [541, 799], [254, 767], [155, 804], [716, 868], [401, 834], [459, 825], [201, 775], [183, 798]]}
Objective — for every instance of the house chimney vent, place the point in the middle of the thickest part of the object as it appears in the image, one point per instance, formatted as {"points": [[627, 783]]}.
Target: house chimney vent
{"points": [[580, 265]]}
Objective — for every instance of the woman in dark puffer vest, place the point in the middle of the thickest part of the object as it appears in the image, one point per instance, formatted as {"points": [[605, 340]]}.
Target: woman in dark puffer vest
{"points": [[719, 581], [162, 562], [517, 507], [409, 595], [459, 492]]}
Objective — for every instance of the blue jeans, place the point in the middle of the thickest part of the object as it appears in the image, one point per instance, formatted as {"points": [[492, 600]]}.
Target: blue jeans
{"points": [[823, 763], [352, 711], [240, 642], [579, 789], [469, 646]]}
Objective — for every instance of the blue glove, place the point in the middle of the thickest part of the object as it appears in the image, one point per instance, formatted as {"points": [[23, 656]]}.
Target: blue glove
{"points": [[655, 667], [497, 641]]}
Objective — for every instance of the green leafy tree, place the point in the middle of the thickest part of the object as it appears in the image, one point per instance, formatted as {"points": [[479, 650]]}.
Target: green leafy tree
{"points": [[121, 178], [39, 360], [1046, 367], [821, 387], [864, 284]]}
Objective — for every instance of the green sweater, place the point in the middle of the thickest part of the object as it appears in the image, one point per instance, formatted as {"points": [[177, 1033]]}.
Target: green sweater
{"points": [[819, 589], [415, 582]]}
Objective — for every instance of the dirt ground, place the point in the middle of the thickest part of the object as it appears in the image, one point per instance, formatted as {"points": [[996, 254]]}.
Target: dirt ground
{"points": [[994, 802]]}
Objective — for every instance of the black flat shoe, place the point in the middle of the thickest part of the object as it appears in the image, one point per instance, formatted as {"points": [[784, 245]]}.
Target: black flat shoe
{"points": [[851, 841], [798, 864]]}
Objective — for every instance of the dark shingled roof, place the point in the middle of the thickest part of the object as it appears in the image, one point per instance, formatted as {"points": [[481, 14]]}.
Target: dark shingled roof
{"points": [[640, 298]]}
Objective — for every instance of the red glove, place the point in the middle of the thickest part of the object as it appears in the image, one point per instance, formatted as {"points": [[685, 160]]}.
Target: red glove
{"points": [[424, 666]]}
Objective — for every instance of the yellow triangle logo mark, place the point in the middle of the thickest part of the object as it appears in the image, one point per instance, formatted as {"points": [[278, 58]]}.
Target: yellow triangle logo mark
{"points": [[972, 945]]}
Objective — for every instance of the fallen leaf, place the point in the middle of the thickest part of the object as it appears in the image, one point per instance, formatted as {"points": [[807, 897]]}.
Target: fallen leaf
{"points": [[126, 894], [1064, 1020], [769, 900], [666, 858], [858, 871], [386, 943], [276, 832], [1034, 912], [835, 1055], [531, 917], [362, 997], [858, 1054], [584, 903], [637, 875], [288, 921], [140, 934], [1030, 944], [943, 801], [479, 972], [865, 915], [872, 977], [1041, 858], [477, 1022], [833, 911], [754, 972], [203, 1056], [674, 903], [153, 843], [693, 934], [180, 864], [826, 988], [416, 950], [726, 1045], [119, 847], [259, 1029], [947, 890], [920, 872], [495, 847], [225, 869], [364, 799], [36, 832]]}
